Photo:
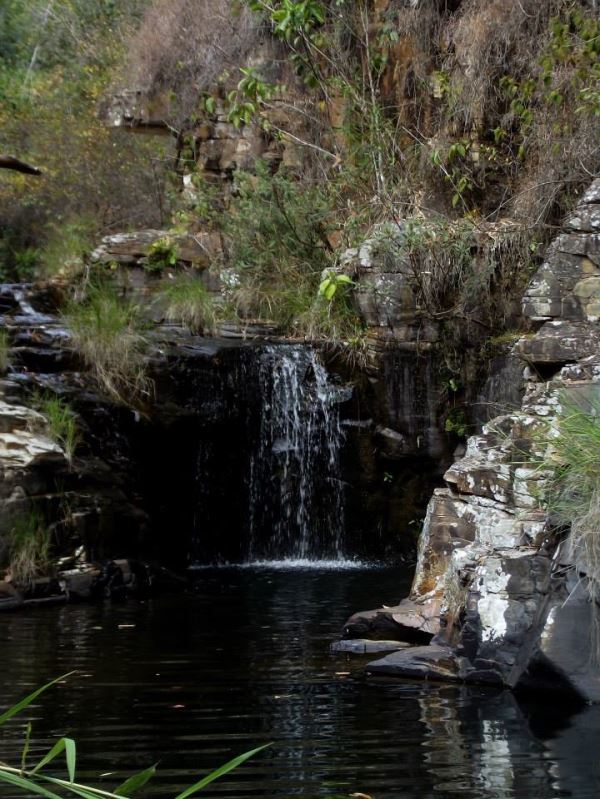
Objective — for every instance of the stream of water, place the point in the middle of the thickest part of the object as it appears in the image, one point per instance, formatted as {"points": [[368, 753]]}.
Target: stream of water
{"points": [[192, 680], [296, 492]]}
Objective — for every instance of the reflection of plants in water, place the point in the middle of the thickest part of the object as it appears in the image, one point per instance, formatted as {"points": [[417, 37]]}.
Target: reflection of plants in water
{"points": [[32, 779]]}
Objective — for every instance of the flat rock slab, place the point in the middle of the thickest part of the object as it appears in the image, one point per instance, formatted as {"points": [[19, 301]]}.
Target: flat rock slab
{"points": [[409, 621], [363, 646], [418, 662]]}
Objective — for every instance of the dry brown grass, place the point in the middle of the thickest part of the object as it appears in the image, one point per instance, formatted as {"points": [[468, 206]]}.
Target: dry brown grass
{"points": [[183, 48]]}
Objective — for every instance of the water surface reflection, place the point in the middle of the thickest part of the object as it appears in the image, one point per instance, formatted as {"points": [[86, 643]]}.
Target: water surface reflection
{"points": [[193, 680]]}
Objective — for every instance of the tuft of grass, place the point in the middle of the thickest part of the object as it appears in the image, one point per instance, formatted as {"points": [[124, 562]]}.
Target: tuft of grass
{"points": [[571, 446], [62, 424], [189, 303], [108, 332], [29, 548], [4, 351]]}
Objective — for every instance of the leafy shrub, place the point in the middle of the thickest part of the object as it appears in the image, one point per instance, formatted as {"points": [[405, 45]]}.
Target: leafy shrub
{"points": [[189, 303], [49, 115], [108, 333], [29, 548], [276, 229]]}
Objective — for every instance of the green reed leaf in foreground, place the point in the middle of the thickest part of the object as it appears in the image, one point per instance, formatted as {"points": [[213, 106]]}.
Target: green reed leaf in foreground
{"points": [[135, 782], [26, 784], [29, 781], [8, 714], [62, 745], [214, 775]]}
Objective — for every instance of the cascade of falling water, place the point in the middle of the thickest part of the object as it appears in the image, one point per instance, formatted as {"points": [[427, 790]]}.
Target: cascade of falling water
{"points": [[295, 487]]}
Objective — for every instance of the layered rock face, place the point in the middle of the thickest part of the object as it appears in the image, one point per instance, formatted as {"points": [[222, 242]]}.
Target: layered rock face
{"points": [[495, 589]]}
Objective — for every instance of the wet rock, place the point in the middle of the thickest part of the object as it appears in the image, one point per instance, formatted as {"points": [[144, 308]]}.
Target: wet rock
{"points": [[421, 662], [564, 649], [392, 444], [407, 621], [79, 584], [363, 646]]}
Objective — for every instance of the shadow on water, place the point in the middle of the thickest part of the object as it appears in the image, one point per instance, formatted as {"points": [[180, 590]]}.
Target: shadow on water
{"points": [[243, 660]]}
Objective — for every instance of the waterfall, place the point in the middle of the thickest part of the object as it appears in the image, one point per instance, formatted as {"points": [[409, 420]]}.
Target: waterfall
{"points": [[296, 493]]}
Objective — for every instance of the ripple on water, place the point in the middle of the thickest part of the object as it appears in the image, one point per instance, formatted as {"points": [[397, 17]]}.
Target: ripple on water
{"points": [[244, 660]]}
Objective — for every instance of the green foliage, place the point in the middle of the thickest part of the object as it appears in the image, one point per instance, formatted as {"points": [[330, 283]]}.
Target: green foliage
{"points": [[57, 60], [62, 422], [29, 547], [65, 248], [290, 18], [33, 780], [246, 101], [568, 73], [162, 254], [4, 350], [276, 229], [109, 335], [334, 284], [189, 303], [456, 422]]}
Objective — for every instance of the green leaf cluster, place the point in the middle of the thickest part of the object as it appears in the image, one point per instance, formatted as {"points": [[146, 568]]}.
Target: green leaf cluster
{"points": [[33, 779]]}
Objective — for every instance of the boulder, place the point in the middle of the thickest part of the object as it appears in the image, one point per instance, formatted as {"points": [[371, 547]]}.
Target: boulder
{"points": [[132, 249]]}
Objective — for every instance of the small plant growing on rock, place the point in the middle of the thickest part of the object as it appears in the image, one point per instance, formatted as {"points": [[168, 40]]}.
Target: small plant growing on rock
{"points": [[162, 255], [62, 424], [189, 303], [108, 333], [29, 548], [334, 284]]}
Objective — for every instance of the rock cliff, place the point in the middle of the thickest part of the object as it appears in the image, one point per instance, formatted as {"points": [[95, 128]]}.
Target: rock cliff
{"points": [[497, 589]]}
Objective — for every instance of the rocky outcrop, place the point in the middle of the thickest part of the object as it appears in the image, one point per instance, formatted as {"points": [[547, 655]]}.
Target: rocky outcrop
{"points": [[134, 248], [494, 585]]}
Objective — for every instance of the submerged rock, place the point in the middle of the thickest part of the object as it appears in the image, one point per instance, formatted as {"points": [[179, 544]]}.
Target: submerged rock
{"points": [[364, 646]]}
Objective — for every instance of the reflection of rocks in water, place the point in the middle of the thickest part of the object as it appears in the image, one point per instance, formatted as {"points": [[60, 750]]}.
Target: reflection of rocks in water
{"points": [[572, 742], [479, 744]]}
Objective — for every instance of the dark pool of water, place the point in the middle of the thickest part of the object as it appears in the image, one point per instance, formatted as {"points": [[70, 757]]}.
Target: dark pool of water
{"points": [[190, 681]]}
